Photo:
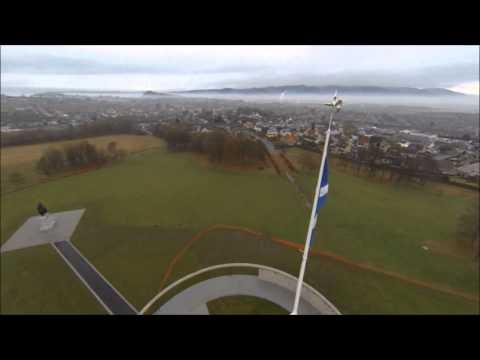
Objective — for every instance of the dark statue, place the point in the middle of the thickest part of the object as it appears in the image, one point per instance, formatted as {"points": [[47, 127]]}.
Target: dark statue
{"points": [[42, 210]]}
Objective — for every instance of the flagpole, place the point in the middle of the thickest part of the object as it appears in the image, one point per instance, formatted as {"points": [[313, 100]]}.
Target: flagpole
{"points": [[311, 225]]}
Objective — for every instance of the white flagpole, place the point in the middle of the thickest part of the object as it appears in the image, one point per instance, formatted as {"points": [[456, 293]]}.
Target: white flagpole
{"points": [[311, 225]]}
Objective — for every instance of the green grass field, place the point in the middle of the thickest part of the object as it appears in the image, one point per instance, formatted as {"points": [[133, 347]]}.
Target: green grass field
{"points": [[140, 213], [37, 281], [352, 291], [386, 225]]}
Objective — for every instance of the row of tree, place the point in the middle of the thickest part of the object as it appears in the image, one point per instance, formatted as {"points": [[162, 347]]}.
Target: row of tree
{"points": [[97, 128], [219, 146], [416, 169], [77, 156]]}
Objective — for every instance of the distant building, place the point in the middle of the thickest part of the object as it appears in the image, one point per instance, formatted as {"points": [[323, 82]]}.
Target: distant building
{"points": [[363, 140], [414, 148], [348, 146], [6, 129], [272, 132], [384, 146], [470, 171], [289, 139], [248, 124]]}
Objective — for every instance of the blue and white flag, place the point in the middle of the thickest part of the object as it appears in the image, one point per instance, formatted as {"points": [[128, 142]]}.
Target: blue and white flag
{"points": [[322, 194], [322, 198]]}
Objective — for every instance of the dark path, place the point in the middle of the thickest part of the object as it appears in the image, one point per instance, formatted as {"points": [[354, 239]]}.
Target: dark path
{"points": [[106, 294]]}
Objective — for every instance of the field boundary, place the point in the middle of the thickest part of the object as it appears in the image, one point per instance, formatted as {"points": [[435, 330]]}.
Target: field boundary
{"points": [[275, 165], [325, 254], [288, 162]]}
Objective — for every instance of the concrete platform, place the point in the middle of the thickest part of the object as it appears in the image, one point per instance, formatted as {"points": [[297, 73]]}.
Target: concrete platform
{"points": [[29, 233], [193, 300]]}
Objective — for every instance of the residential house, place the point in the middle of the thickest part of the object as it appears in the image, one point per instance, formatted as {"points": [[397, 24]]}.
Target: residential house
{"points": [[289, 139], [285, 132], [363, 140], [272, 132], [248, 125], [470, 171]]}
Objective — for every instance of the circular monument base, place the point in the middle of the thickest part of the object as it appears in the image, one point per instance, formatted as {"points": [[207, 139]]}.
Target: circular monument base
{"points": [[270, 284]]}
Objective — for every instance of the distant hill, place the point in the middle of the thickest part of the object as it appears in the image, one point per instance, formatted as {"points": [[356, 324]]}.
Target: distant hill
{"points": [[49, 94], [154, 93], [328, 90]]}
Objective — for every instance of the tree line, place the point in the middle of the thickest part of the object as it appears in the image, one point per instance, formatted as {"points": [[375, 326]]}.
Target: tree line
{"points": [[97, 128], [219, 146], [416, 169], [77, 156], [412, 168]]}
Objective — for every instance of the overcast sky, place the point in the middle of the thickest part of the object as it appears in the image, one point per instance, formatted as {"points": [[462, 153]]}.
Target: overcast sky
{"points": [[194, 67]]}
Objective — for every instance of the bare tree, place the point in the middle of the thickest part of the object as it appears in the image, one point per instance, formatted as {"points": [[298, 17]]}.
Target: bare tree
{"points": [[112, 147], [52, 161]]}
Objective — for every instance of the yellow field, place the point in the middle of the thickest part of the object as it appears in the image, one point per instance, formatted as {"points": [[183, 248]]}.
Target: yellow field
{"points": [[22, 159], [24, 154]]}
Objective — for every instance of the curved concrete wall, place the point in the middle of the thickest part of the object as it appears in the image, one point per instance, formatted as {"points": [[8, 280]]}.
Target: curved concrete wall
{"points": [[273, 284]]}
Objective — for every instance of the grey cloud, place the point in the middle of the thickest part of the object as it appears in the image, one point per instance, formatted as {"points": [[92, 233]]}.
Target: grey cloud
{"points": [[246, 68], [60, 65], [435, 76]]}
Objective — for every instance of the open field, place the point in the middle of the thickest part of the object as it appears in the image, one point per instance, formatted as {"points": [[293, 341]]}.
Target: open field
{"points": [[43, 284], [350, 290], [23, 158], [387, 225], [141, 212]]}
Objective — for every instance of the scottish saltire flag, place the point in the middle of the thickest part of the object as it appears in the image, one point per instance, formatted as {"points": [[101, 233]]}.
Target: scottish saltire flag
{"points": [[322, 198], [322, 194]]}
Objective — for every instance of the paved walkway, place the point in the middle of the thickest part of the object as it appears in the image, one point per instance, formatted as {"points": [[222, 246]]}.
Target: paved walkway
{"points": [[105, 293], [194, 299]]}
